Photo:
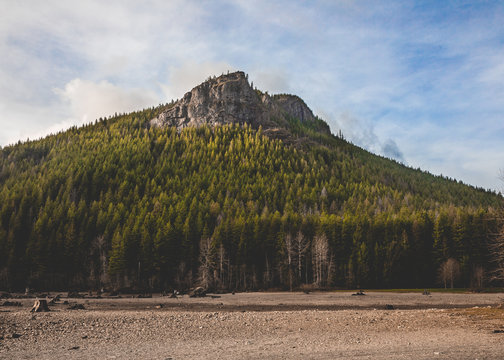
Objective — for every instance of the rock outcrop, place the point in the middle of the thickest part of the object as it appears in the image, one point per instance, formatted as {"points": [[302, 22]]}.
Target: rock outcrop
{"points": [[295, 107], [230, 99]]}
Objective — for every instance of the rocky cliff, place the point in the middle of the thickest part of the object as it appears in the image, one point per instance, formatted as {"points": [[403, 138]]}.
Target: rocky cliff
{"points": [[231, 99]]}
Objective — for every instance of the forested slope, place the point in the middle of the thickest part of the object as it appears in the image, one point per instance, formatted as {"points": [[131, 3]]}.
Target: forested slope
{"points": [[118, 203]]}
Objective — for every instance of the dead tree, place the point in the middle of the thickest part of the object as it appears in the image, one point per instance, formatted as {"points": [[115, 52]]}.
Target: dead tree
{"points": [[320, 259], [449, 272], [207, 263], [478, 277], [267, 272], [98, 263], [496, 248], [289, 252], [223, 265], [302, 246], [183, 276]]}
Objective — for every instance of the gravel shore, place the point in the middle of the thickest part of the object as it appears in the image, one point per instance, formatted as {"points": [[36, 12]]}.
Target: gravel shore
{"points": [[418, 327]]}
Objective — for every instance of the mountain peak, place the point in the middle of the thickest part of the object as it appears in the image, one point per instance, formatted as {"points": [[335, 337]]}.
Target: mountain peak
{"points": [[230, 98]]}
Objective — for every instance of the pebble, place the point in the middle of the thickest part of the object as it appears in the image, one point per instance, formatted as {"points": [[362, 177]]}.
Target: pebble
{"points": [[317, 329]]}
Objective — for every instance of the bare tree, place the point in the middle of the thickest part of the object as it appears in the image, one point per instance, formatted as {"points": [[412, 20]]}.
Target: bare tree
{"points": [[449, 272], [98, 263], [183, 277], [207, 263], [302, 246], [478, 276], [289, 252], [223, 265], [267, 272], [320, 259], [497, 254], [497, 248]]}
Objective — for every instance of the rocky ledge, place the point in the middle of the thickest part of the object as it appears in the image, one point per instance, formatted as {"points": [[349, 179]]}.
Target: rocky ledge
{"points": [[229, 99]]}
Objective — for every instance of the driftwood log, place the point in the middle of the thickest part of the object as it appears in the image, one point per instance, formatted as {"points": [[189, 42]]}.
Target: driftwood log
{"points": [[198, 292], [40, 306], [55, 299]]}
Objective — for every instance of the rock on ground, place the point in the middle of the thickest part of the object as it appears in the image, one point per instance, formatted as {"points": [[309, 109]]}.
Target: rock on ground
{"points": [[166, 332]]}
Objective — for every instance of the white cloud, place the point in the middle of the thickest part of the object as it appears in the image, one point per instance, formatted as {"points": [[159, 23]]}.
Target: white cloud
{"points": [[360, 132], [392, 151], [89, 101], [183, 78], [363, 134], [392, 69], [80, 102], [467, 162], [21, 121], [275, 81]]}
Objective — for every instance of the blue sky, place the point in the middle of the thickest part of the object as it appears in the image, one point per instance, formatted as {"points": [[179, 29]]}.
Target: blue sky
{"points": [[418, 81]]}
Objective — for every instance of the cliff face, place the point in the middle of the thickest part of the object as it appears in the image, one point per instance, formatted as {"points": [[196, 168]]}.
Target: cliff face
{"points": [[231, 99]]}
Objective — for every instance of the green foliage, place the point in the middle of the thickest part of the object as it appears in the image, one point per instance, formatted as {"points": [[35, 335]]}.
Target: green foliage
{"points": [[150, 195]]}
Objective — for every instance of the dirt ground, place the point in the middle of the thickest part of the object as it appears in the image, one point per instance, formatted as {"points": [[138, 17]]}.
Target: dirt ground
{"points": [[331, 325]]}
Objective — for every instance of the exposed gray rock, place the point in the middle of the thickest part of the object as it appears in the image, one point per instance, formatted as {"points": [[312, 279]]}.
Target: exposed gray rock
{"points": [[295, 107], [230, 99]]}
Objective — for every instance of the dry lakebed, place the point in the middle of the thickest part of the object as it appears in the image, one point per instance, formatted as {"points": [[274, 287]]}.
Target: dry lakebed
{"points": [[260, 325]]}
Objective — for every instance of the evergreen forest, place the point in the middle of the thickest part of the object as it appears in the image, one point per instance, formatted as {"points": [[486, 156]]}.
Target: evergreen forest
{"points": [[117, 204]]}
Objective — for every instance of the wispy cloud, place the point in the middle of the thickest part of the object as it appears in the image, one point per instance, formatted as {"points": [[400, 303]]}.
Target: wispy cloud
{"points": [[403, 79], [391, 150], [88, 100], [183, 78]]}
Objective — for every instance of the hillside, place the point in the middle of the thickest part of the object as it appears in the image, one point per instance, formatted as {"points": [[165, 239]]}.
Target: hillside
{"points": [[230, 188]]}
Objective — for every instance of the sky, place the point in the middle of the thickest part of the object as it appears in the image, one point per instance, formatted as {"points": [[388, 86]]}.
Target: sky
{"points": [[421, 82]]}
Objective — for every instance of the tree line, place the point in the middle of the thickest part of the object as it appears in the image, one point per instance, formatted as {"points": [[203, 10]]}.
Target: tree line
{"points": [[118, 204]]}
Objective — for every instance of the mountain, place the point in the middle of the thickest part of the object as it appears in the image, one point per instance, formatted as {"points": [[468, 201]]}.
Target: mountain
{"points": [[229, 188], [230, 99]]}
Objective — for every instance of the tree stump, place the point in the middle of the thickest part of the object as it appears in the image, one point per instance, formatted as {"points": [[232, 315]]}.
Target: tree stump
{"points": [[40, 306]]}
